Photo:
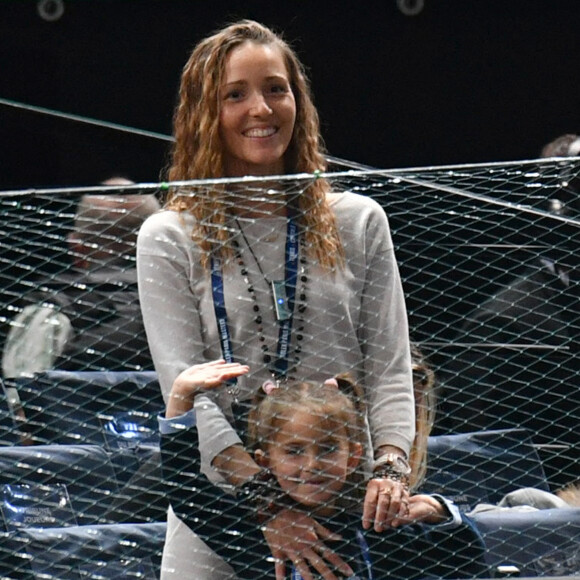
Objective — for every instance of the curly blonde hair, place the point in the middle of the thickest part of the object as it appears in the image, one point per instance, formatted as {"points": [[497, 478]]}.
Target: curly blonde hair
{"points": [[198, 152]]}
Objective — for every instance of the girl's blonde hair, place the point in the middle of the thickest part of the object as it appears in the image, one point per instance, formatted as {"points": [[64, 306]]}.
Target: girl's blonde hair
{"points": [[198, 150], [345, 404]]}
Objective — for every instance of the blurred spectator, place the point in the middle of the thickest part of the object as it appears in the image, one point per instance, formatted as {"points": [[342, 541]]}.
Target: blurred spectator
{"points": [[88, 318], [567, 145], [516, 360]]}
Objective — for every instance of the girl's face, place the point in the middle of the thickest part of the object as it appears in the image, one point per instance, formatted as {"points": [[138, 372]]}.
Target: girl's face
{"points": [[257, 111], [311, 457]]}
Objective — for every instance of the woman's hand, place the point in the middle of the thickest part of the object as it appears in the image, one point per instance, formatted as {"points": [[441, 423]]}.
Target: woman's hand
{"points": [[295, 536], [199, 378], [423, 508], [386, 501]]}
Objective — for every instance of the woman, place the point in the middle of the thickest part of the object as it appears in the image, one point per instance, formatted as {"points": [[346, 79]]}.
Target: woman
{"points": [[218, 277]]}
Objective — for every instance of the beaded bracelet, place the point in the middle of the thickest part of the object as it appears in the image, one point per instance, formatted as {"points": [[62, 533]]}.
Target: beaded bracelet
{"points": [[264, 495], [392, 466], [388, 472]]}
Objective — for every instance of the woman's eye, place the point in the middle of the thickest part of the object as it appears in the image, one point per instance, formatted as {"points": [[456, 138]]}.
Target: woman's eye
{"points": [[278, 89], [234, 95]]}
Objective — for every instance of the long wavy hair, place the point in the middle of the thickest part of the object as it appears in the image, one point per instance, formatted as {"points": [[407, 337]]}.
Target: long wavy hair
{"points": [[198, 151]]}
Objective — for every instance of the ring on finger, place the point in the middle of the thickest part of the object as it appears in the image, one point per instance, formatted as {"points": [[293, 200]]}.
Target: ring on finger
{"points": [[386, 492]]}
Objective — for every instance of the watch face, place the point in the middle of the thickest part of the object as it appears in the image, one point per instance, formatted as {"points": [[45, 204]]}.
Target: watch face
{"points": [[402, 465]]}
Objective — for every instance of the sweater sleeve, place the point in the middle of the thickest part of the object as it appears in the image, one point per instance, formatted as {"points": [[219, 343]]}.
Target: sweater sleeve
{"points": [[168, 269], [384, 337]]}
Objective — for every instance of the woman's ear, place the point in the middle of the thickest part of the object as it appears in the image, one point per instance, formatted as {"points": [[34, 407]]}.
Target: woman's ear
{"points": [[354, 456], [260, 458]]}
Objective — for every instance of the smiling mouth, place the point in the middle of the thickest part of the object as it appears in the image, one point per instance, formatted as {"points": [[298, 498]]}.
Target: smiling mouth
{"points": [[266, 132], [300, 481]]}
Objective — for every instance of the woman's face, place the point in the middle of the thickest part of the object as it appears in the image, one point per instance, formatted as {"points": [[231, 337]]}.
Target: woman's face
{"points": [[311, 457], [257, 111]]}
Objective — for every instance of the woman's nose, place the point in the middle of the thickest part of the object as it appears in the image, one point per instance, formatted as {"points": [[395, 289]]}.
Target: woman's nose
{"points": [[259, 105]]}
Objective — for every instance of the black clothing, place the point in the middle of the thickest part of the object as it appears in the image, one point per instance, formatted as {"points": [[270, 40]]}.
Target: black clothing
{"points": [[226, 524]]}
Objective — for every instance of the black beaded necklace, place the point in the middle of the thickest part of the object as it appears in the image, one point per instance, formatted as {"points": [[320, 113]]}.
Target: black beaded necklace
{"points": [[290, 310]]}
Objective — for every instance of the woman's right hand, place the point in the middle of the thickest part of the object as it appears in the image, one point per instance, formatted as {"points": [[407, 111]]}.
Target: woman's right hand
{"points": [[295, 536], [196, 379]]}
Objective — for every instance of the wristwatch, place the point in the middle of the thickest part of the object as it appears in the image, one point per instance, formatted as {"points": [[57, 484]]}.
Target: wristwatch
{"points": [[392, 466]]}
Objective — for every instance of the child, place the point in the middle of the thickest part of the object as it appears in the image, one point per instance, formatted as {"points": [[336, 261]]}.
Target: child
{"points": [[308, 439]]}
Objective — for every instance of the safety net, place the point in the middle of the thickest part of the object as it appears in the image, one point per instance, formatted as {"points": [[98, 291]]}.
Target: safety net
{"points": [[489, 264]]}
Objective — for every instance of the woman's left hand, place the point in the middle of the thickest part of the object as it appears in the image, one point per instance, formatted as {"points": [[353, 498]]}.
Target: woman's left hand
{"points": [[386, 501]]}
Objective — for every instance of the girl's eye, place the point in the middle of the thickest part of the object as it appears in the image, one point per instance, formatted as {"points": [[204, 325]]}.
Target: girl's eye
{"points": [[328, 449], [294, 450]]}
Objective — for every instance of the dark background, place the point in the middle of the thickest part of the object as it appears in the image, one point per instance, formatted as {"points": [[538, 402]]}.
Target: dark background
{"points": [[461, 82]]}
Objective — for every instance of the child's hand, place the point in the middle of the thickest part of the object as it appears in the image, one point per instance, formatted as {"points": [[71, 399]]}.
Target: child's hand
{"points": [[196, 379], [295, 536], [423, 508]]}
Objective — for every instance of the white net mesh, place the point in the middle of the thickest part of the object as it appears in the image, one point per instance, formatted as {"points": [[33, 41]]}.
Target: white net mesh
{"points": [[488, 257]]}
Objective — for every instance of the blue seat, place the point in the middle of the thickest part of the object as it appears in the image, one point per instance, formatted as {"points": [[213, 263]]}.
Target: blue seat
{"points": [[142, 496], [85, 472], [481, 467], [117, 551], [535, 543], [116, 410], [90, 407]]}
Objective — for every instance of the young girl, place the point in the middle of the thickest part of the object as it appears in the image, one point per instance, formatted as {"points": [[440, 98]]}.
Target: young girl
{"points": [[308, 438]]}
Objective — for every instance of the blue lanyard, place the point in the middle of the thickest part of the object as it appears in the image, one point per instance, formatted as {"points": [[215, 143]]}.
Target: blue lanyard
{"points": [[280, 369], [280, 366], [219, 305], [366, 553]]}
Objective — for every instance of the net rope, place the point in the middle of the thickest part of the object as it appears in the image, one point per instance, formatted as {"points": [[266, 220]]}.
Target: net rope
{"points": [[488, 257]]}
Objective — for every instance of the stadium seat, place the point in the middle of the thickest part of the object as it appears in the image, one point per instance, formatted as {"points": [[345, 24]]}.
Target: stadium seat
{"points": [[35, 481], [142, 496], [97, 408], [115, 410], [481, 467], [532, 543], [117, 551]]}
